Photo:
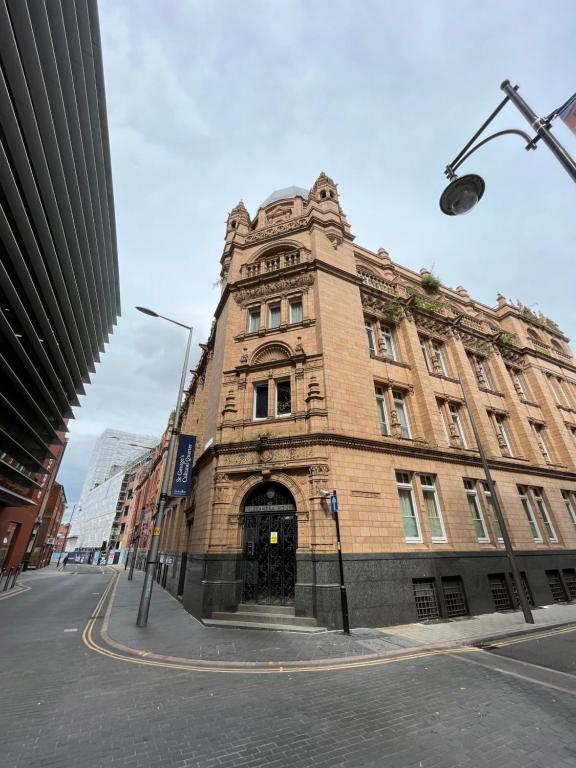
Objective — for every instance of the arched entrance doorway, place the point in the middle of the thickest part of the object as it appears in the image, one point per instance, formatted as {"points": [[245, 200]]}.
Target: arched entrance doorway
{"points": [[270, 533]]}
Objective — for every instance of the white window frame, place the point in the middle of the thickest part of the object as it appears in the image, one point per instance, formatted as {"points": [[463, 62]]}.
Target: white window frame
{"points": [[499, 419], [276, 383], [426, 353], [476, 509], [293, 303], [407, 486], [489, 501], [431, 488], [454, 411], [272, 306], [263, 385], [567, 496], [256, 314], [538, 431], [437, 352], [543, 510], [388, 341], [400, 407], [444, 423], [370, 335], [485, 373], [529, 512], [382, 410]]}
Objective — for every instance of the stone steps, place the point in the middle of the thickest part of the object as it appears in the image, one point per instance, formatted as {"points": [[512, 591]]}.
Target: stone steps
{"points": [[276, 617]]}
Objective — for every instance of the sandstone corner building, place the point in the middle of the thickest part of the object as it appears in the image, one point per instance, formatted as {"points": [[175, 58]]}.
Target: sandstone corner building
{"points": [[332, 367]]}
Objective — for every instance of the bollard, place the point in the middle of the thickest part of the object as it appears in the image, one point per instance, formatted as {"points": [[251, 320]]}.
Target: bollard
{"points": [[16, 574], [8, 574]]}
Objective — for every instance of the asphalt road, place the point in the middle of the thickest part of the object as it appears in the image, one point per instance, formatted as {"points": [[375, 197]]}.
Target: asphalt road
{"points": [[64, 705]]}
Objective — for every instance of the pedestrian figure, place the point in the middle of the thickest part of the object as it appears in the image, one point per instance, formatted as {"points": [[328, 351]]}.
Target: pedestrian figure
{"points": [[64, 562]]}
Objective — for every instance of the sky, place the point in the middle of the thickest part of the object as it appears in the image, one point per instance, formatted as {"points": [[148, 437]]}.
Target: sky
{"points": [[212, 102]]}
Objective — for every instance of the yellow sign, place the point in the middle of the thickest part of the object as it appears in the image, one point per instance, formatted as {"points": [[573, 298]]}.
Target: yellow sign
{"points": [[273, 537], [156, 531]]}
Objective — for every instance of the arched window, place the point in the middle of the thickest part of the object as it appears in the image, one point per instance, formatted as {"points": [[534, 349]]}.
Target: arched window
{"points": [[532, 334], [557, 345]]}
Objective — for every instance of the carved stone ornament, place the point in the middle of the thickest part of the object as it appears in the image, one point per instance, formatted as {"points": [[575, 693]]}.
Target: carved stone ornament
{"points": [[431, 326], [244, 355], [277, 229], [221, 477], [279, 213], [475, 344], [319, 469], [281, 287], [270, 353]]}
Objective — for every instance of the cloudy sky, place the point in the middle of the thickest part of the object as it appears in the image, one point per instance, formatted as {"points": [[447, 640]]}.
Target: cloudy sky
{"points": [[213, 101]]}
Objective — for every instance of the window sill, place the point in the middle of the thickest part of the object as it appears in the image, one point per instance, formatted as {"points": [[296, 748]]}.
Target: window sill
{"points": [[439, 541], [384, 359], [529, 402], [444, 377], [489, 391], [413, 541], [277, 329]]}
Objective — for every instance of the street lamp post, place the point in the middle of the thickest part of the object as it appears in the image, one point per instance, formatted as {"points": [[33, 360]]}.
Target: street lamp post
{"points": [[152, 558], [499, 516], [463, 193]]}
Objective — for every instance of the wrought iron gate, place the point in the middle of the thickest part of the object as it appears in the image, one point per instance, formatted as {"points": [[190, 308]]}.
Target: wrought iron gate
{"points": [[270, 548]]}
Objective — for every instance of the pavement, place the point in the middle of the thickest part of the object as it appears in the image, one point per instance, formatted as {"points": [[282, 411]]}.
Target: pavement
{"points": [[68, 703], [174, 635]]}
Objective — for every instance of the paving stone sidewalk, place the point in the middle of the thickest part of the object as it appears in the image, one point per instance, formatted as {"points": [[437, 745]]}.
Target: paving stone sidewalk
{"points": [[171, 631]]}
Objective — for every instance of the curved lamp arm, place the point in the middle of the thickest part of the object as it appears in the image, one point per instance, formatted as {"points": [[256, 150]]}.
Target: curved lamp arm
{"points": [[450, 169]]}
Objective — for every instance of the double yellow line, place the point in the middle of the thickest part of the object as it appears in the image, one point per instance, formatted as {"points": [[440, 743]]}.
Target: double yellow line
{"points": [[273, 667]]}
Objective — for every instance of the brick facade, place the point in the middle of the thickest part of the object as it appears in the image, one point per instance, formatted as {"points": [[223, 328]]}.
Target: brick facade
{"points": [[331, 367]]}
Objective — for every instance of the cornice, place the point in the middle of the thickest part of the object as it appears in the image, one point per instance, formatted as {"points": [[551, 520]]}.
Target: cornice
{"points": [[407, 449]]}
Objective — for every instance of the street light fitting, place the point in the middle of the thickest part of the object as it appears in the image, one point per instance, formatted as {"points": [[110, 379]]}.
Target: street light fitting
{"points": [[462, 194], [147, 311]]}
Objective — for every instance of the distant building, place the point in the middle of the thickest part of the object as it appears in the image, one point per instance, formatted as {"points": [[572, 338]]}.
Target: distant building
{"points": [[110, 453], [329, 366], [62, 537], [44, 543], [59, 294], [101, 518]]}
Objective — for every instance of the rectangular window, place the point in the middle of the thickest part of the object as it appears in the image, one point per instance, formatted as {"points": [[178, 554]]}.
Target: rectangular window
{"points": [[401, 415], [387, 342], [296, 311], [480, 368], [567, 496], [519, 382], [261, 401], [476, 511], [370, 335], [408, 512], [254, 320], [382, 411], [283, 398], [424, 348], [538, 430], [444, 424], [455, 416], [273, 315], [435, 522], [437, 352], [492, 511], [546, 522], [501, 431], [557, 389], [536, 535]]}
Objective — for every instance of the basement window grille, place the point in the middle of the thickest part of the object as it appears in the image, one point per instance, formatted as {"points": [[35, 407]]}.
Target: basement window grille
{"points": [[527, 592], [500, 592], [426, 600], [556, 586], [454, 597], [570, 581]]}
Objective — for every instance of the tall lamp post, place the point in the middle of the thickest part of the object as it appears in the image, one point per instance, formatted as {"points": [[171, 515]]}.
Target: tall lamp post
{"points": [[463, 193], [152, 558], [528, 618]]}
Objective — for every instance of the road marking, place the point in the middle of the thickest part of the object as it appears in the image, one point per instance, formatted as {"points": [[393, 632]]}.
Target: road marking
{"points": [[17, 590], [528, 638], [528, 678], [73, 629]]}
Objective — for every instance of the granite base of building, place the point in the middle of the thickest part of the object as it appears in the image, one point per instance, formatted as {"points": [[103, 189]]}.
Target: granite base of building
{"points": [[380, 587]]}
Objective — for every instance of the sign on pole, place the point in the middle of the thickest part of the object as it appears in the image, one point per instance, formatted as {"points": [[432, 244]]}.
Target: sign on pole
{"points": [[182, 477], [568, 113], [334, 503]]}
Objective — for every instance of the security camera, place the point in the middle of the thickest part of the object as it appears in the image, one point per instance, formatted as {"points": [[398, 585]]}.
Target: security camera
{"points": [[325, 494]]}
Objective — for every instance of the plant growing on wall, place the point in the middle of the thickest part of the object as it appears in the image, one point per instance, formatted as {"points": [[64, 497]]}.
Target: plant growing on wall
{"points": [[508, 339], [430, 283], [392, 307], [430, 305]]}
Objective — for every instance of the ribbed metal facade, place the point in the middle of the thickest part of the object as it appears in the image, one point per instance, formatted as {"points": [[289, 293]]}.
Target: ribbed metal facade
{"points": [[59, 287]]}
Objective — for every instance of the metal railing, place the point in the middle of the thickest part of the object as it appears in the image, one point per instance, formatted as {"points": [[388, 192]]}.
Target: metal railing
{"points": [[8, 578]]}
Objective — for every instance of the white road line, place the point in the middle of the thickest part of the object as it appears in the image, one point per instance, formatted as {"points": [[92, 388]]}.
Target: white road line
{"points": [[74, 629]]}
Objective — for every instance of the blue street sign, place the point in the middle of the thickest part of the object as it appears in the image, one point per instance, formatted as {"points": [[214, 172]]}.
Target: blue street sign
{"points": [[182, 478], [334, 503]]}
